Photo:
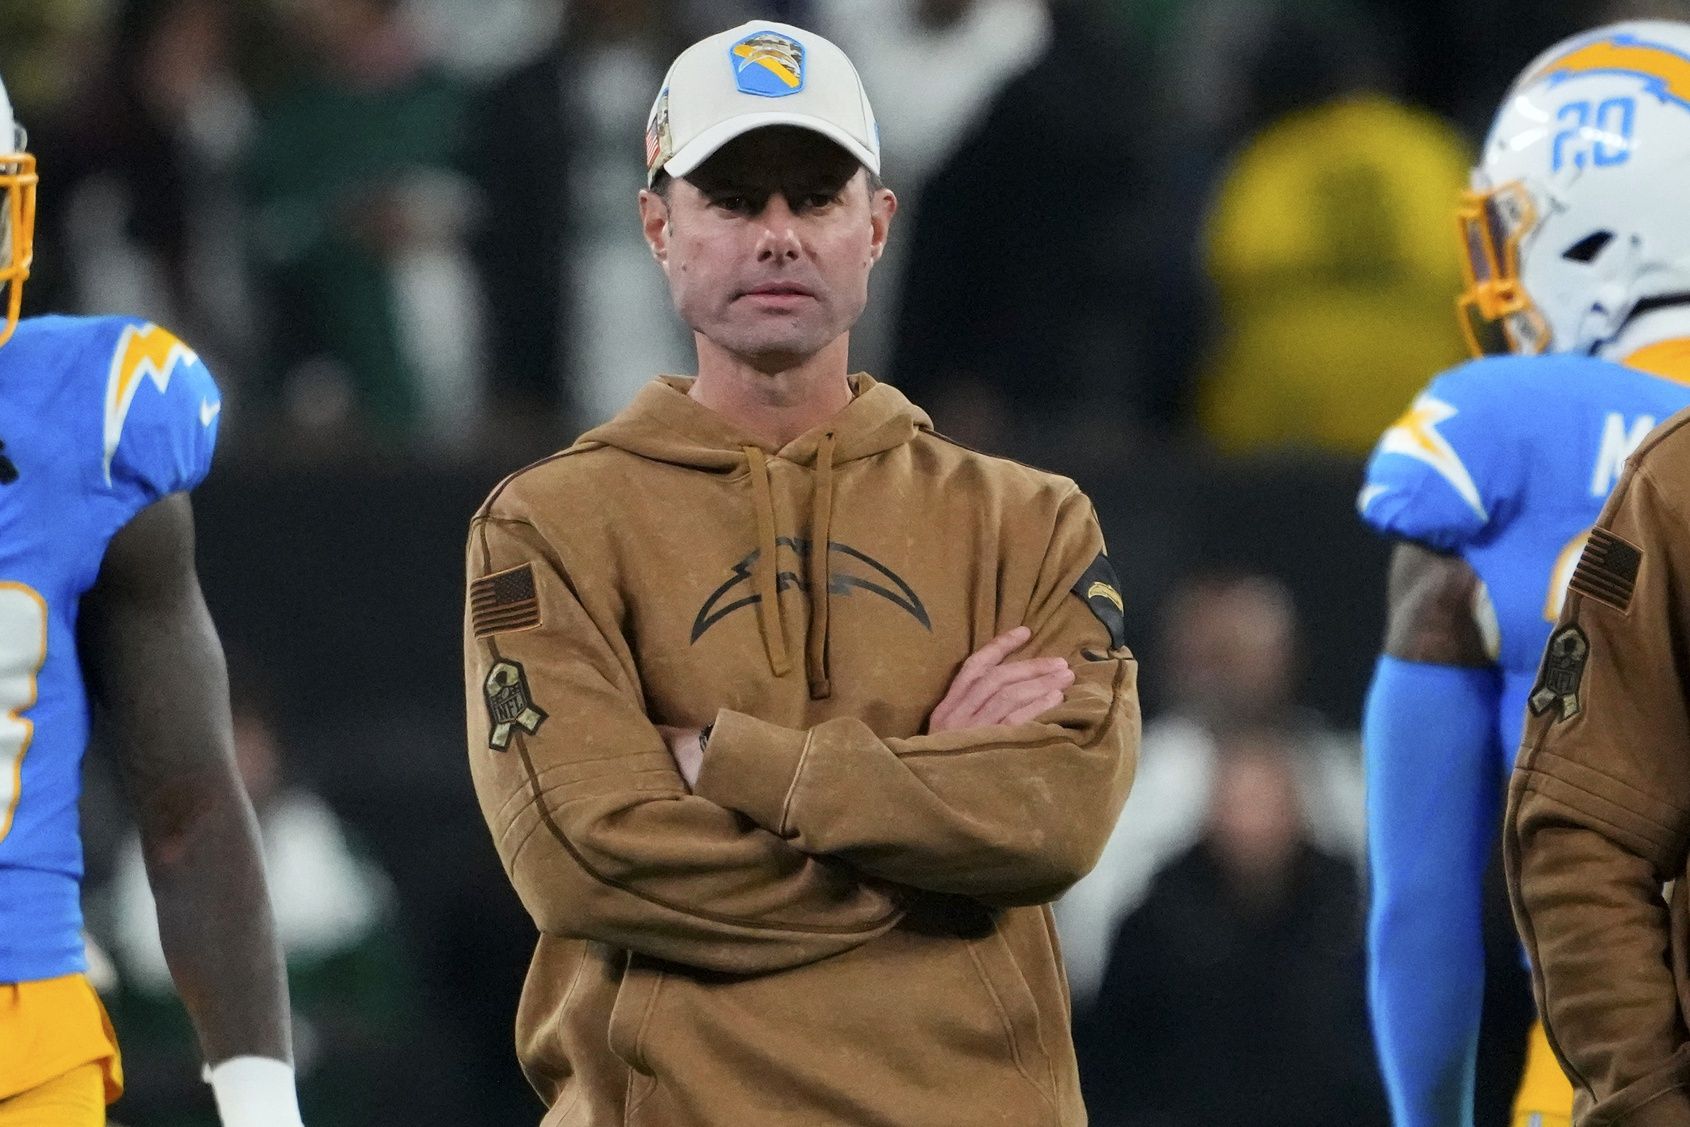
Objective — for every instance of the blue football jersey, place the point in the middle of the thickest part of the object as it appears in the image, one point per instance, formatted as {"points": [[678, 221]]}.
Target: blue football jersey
{"points": [[1506, 462], [99, 418]]}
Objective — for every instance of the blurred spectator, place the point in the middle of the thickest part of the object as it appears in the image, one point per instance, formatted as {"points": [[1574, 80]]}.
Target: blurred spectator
{"points": [[580, 313], [349, 981], [520, 238], [1234, 996], [1028, 299], [482, 39], [139, 172], [931, 68], [1233, 657], [1329, 246], [374, 314]]}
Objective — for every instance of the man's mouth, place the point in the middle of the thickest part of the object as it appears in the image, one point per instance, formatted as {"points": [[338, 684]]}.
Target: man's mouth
{"points": [[779, 292]]}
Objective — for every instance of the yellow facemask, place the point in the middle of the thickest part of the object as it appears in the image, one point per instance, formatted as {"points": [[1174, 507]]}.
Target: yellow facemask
{"points": [[1497, 314], [17, 243]]}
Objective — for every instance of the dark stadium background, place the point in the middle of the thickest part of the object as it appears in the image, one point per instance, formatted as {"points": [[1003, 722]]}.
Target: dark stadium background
{"points": [[403, 234]]}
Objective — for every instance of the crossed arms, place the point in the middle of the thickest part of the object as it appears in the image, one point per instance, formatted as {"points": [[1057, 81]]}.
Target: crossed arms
{"points": [[795, 844]]}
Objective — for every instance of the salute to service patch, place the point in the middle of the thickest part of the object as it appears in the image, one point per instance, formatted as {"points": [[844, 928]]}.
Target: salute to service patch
{"points": [[509, 704], [504, 601], [1101, 591], [1607, 571], [1563, 668]]}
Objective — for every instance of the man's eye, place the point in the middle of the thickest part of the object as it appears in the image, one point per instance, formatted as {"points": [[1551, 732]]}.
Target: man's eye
{"points": [[817, 200], [732, 203]]}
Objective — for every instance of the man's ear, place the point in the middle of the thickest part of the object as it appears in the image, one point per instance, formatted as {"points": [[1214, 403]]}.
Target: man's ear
{"points": [[654, 222], [883, 205]]}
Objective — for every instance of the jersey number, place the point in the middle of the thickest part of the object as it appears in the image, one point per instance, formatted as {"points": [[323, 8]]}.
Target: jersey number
{"points": [[23, 651], [1599, 134]]}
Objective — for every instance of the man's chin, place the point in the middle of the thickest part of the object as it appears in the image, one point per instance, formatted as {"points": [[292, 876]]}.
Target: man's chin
{"points": [[774, 352]]}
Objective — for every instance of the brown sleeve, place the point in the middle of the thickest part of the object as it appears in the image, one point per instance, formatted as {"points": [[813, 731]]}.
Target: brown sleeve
{"points": [[588, 812], [1598, 813], [1005, 814]]}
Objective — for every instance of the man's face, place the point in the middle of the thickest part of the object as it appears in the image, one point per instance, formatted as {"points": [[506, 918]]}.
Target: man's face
{"points": [[768, 245]]}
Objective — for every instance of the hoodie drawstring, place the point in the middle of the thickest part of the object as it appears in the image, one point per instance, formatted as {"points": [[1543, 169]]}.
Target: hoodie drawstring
{"points": [[821, 572], [767, 569]]}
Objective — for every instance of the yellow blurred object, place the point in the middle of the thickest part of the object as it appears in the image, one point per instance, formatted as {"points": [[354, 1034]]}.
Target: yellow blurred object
{"points": [[1545, 1098], [57, 1025], [1330, 253]]}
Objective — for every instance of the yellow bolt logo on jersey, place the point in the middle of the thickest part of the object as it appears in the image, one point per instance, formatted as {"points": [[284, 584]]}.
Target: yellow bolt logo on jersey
{"points": [[1415, 435], [142, 351]]}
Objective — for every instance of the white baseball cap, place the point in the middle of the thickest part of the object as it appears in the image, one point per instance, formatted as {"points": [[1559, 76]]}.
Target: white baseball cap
{"points": [[757, 74]]}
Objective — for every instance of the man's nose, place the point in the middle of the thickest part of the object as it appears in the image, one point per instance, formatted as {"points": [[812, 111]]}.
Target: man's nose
{"points": [[779, 236]]}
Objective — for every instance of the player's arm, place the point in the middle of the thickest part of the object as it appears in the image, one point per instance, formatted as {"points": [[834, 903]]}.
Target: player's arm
{"points": [[596, 829], [155, 671], [1432, 809], [1008, 813], [1599, 813]]}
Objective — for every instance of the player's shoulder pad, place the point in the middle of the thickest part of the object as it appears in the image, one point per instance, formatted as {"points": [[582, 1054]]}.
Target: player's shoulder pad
{"points": [[159, 407], [1441, 471]]}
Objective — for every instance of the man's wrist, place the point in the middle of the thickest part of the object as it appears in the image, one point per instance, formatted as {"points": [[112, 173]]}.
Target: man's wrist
{"points": [[254, 1092]]}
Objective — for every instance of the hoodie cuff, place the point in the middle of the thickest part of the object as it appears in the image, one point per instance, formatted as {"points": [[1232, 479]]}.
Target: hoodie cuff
{"points": [[752, 766]]}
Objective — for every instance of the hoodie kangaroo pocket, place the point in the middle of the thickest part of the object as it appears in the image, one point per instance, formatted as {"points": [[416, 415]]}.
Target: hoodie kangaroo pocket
{"points": [[1013, 998], [636, 996]]}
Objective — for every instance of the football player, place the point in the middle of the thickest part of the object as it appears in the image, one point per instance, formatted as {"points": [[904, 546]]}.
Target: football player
{"points": [[105, 424], [1578, 265]]}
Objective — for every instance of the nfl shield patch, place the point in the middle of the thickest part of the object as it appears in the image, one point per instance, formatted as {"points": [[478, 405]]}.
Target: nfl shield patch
{"points": [[768, 64], [509, 704], [1563, 669]]}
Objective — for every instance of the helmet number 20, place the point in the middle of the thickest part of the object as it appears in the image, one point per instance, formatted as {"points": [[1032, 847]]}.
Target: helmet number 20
{"points": [[1598, 134]]}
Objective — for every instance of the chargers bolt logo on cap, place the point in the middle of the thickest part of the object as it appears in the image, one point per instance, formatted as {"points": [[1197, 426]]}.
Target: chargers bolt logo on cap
{"points": [[768, 64]]}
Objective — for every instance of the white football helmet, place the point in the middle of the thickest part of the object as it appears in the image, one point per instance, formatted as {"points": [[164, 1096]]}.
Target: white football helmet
{"points": [[1578, 219], [17, 220]]}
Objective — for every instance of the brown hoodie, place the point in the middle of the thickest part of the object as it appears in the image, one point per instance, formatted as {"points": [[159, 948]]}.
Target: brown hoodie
{"points": [[845, 922], [1599, 807]]}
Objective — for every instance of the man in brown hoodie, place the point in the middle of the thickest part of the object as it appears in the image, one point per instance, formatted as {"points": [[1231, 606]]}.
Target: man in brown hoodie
{"points": [[788, 716], [1599, 809]]}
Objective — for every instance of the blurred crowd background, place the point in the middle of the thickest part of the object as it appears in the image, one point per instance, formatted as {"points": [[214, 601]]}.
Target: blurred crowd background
{"points": [[1196, 254]]}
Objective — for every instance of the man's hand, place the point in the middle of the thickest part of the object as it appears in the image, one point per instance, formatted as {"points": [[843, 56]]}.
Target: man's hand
{"points": [[684, 746], [989, 690]]}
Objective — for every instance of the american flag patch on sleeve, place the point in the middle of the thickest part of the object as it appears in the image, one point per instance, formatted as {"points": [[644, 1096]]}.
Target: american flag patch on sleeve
{"points": [[504, 601], [1607, 571]]}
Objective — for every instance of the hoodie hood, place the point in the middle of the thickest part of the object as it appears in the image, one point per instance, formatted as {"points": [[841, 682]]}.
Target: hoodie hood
{"points": [[665, 424]]}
